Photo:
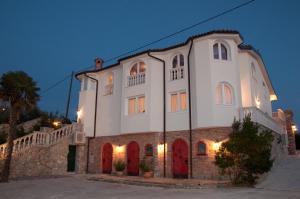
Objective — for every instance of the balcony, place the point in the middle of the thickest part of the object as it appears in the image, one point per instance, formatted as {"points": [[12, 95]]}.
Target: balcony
{"points": [[137, 79], [262, 118], [176, 73], [108, 89]]}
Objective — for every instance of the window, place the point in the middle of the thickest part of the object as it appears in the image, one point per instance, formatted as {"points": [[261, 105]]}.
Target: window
{"points": [[131, 106], [137, 74], [178, 60], [224, 94], [136, 105], [177, 70], [220, 51], [178, 101], [108, 90], [149, 150], [201, 148]]}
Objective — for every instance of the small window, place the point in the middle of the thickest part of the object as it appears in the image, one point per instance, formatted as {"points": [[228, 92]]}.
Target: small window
{"points": [[85, 84], [178, 101], [141, 104], [201, 148], [131, 106], [149, 150], [137, 68], [178, 60], [224, 94], [220, 51], [136, 105]]}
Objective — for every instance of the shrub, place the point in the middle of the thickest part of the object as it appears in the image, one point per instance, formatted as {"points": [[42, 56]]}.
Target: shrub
{"points": [[145, 166], [120, 165], [246, 154]]}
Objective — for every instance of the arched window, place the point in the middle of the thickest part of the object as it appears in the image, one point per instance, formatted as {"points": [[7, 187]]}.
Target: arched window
{"points": [[224, 94], [137, 68], [201, 148], [178, 60], [253, 70], [220, 51]]}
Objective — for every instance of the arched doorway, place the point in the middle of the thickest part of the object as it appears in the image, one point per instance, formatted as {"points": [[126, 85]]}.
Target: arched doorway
{"points": [[133, 158], [107, 158], [180, 159]]}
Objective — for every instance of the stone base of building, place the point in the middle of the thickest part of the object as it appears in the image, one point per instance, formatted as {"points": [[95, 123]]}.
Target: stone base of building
{"points": [[201, 165]]}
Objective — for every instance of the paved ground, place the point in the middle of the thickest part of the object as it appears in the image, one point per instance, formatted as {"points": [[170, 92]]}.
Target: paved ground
{"points": [[284, 182]]}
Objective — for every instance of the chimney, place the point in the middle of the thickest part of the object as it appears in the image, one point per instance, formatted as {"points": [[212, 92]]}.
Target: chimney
{"points": [[98, 63]]}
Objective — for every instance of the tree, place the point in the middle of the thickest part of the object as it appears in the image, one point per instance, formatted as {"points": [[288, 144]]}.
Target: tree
{"points": [[246, 154], [20, 91]]}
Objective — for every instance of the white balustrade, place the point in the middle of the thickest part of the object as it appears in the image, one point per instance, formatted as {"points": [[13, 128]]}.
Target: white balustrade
{"points": [[137, 79], [262, 118], [38, 138], [176, 73]]}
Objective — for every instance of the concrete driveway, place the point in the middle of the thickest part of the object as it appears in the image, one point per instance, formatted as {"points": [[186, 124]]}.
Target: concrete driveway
{"points": [[284, 182]]}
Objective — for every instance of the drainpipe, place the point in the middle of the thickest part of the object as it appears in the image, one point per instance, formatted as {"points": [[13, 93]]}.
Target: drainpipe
{"points": [[95, 123], [190, 112], [164, 106]]}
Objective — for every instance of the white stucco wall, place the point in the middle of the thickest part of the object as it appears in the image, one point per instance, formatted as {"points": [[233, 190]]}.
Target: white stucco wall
{"points": [[206, 73]]}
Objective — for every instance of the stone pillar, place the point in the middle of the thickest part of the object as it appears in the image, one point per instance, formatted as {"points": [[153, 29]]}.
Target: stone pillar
{"points": [[80, 165], [290, 133]]}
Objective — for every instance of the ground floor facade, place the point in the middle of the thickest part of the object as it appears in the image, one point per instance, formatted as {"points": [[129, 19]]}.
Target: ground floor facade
{"points": [[182, 155]]}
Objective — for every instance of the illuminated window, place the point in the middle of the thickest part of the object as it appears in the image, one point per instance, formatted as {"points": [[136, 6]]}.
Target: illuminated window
{"points": [[136, 105], [141, 104], [137, 68], [224, 94], [220, 51], [131, 106], [201, 148], [149, 150], [178, 101]]}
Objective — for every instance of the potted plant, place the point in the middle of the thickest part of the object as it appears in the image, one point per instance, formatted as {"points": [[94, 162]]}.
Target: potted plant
{"points": [[146, 168], [120, 166]]}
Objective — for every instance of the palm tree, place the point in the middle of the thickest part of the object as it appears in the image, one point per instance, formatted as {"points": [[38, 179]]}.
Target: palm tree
{"points": [[20, 91]]}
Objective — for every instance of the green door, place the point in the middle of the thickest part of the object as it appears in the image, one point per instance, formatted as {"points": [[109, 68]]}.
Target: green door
{"points": [[71, 158]]}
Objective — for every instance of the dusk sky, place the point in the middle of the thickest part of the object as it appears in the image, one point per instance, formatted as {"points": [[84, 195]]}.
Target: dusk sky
{"points": [[49, 39]]}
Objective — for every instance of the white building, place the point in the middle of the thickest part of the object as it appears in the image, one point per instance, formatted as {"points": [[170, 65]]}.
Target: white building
{"points": [[143, 103]]}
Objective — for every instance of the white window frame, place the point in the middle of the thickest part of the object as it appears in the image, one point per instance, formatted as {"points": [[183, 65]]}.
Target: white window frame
{"points": [[178, 96], [223, 97], [220, 51], [136, 105]]}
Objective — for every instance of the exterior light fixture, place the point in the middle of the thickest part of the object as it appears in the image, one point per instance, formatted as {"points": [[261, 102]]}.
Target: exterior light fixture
{"points": [[56, 123], [216, 146], [294, 128], [257, 102]]}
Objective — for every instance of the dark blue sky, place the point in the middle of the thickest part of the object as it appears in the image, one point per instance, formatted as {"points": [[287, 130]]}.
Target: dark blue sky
{"points": [[49, 39]]}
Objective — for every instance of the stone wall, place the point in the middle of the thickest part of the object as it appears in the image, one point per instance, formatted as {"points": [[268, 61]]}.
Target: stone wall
{"points": [[202, 164], [41, 160]]}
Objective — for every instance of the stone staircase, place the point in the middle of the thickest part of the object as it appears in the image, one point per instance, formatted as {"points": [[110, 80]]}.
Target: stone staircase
{"points": [[40, 138]]}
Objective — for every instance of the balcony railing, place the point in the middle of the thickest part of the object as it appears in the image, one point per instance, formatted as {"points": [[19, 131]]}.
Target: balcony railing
{"points": [[108, 89], [137, 79], [176, 73], [262, 118]]}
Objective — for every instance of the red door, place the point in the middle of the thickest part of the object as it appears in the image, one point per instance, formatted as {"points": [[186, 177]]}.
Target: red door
{"points": [[180, 159], [107, 158], [133, 159]]}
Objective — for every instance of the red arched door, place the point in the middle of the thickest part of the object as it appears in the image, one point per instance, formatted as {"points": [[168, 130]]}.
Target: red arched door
{"points": [[133, 158], [107, 158], [180, 159]]}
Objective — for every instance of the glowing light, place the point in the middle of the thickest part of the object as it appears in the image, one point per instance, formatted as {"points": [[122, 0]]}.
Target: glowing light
{"points": [[56, 123], [273, 97], [79, 114], [294, 128], [257, 102], [216, 146], [120, 149], [160, 148]]}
